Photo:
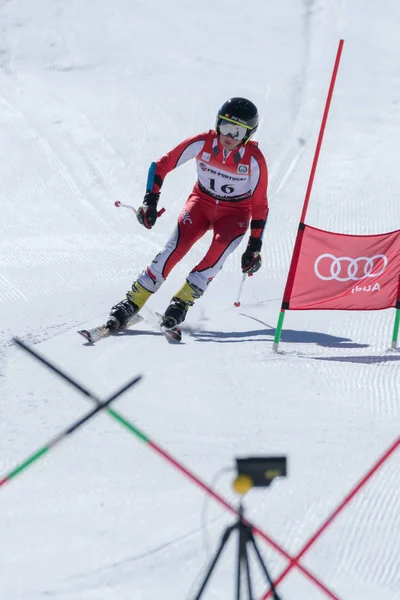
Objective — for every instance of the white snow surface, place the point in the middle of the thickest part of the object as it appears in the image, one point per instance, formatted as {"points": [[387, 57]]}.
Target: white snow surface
{"points": [[90, 93]]}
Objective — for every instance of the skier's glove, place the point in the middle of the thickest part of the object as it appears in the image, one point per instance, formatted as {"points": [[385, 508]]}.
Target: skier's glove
{"points": [[251, 258], [147, 214]]}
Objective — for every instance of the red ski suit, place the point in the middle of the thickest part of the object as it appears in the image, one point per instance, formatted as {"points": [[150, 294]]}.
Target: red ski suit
{"points": [[229, 195]]}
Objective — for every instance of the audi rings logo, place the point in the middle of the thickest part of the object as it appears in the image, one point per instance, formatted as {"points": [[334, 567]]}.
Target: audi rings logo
{"points": [[345, 268]]}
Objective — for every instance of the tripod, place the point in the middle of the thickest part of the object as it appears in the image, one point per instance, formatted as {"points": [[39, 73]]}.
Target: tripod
{"points": [[245, 537]]}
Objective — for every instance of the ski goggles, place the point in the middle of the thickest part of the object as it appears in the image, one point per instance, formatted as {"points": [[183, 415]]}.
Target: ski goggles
{"points": [[233, 130]]}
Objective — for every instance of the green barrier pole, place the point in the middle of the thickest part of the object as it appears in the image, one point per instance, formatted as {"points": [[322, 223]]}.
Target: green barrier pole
{"points": [[278, 331], [396, 329]]}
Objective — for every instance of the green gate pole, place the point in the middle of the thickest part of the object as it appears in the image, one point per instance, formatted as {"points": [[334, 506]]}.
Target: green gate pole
{"points": [[396, 320], [278, 330], [396, 329]]}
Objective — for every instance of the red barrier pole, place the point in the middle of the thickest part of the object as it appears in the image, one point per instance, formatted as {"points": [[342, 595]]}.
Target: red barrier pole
{"points": [[322, 131], [297, 247], [328, 521]]}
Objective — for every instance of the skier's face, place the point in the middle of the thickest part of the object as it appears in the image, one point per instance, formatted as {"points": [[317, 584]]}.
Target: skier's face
{"points": [[227, 142]]}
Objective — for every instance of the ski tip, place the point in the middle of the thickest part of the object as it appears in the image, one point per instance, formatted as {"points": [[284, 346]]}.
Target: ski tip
{"points": [[86, 334], [174, 336]]}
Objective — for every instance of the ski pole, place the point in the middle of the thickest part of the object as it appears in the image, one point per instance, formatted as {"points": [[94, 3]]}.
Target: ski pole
{"points": [[119, 204], [61, 436], [245, 275]]}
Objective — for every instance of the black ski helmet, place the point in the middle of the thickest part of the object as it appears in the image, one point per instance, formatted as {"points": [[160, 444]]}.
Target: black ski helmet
{"points": [[240, 111]]}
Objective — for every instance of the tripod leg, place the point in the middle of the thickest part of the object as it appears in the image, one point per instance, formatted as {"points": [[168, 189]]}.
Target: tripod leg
{"points": [[214, 561], [249, 586], [264, 568], [240, 557], [243, 560]]}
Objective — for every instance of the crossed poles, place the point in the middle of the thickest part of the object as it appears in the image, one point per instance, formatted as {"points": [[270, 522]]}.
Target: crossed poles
{"points": [[105, 405]]}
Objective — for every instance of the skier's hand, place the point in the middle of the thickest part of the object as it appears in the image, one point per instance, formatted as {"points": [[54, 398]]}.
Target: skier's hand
{"points": [[251, 258], [251, 262], [147, 214]]}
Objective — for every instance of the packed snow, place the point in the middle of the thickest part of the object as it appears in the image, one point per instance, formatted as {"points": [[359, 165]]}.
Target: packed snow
{"points": [[90, 94]]}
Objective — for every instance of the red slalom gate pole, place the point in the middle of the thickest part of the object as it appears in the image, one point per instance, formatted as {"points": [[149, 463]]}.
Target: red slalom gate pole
{"points": [[294, 562], [299, 238], [322, 131]]}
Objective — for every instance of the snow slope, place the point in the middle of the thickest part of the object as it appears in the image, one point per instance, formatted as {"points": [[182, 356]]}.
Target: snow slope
{"points": [[90, 93]]}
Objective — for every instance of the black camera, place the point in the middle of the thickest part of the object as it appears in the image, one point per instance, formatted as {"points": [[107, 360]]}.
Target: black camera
{"points": [[255, 471]]}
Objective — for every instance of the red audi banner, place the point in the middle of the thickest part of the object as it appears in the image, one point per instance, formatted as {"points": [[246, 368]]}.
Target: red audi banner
{"points": [[345, 272]]}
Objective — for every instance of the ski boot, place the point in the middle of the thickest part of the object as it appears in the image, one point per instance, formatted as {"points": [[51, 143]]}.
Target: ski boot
{"points": [[122, 312], [179, 305]]}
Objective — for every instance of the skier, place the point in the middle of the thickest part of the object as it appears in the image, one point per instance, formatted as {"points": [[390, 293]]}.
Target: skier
{"points": [[230, 194]]}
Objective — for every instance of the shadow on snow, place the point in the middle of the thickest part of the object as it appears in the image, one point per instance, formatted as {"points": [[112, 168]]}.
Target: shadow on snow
{"points": [[267, 334], [361, 359]]}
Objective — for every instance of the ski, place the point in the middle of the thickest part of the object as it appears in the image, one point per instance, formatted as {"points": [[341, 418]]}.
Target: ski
{"points": [[173, 335], [98, 333]]}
